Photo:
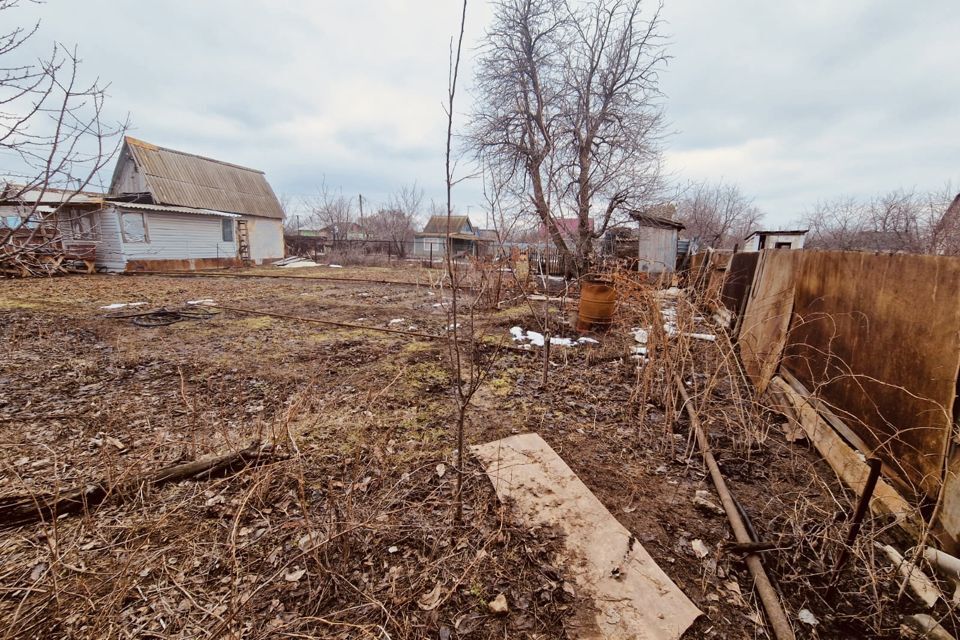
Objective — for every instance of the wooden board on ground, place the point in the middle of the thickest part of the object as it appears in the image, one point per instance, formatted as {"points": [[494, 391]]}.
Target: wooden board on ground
{"points": [[631, 596], [877, 339], [763, 330]]}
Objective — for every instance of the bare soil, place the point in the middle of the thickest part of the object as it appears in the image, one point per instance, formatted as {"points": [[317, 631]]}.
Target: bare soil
{"points": [[353, 532]]}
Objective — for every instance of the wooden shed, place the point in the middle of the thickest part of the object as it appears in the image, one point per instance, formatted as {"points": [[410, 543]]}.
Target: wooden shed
{"points": [[657, 238]]}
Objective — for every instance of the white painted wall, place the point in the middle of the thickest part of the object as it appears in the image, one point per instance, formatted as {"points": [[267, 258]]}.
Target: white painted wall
{"points": [[110, 249], [771, 240], [266, 239], [179, 236]]}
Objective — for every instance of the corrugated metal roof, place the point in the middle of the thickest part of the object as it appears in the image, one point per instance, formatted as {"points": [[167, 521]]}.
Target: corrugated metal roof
{"points": [[139, 206], [48, 195], [650, 220], [438, 225], [187, 180]]}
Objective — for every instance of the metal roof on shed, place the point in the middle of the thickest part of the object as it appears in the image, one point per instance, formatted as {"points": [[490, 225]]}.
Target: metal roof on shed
{"points": [[140, 206], [187, 180]]}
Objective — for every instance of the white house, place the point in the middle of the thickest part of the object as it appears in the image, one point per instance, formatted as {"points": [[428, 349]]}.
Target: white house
{"points": [[169, 209], [774, 240]]}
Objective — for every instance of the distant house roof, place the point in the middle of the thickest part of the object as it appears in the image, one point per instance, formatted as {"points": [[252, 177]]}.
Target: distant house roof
{"points": [[649, 220], [569, 227], [437, 225], [187, 180], [778, 232]]}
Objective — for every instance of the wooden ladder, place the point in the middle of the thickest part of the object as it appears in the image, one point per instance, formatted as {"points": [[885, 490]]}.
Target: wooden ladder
{"points": [[243, 242]]}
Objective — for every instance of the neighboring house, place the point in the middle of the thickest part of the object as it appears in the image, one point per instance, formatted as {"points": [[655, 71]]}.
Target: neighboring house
{"points": [[463, 237], [569, 229], [169, 209], [774, 240]]}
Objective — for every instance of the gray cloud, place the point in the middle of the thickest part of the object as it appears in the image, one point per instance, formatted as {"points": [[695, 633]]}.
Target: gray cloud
{"points": [[793, 101]]}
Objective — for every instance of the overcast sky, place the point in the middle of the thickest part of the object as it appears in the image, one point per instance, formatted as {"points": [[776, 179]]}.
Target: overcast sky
{"points": [[793, 101]]}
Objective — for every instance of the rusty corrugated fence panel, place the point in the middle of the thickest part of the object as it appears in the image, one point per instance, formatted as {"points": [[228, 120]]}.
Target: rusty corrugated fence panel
{"points": [[739, 279], [763, 331], [877, 337]]}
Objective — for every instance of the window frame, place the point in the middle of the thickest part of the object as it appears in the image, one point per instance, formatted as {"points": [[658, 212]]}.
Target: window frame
{"points": [[84, 226], [123, 229], [227, 223]]}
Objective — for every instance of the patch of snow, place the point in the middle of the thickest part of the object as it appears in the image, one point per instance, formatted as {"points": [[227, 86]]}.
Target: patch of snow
{"points": [[335, 266], [121, 305], [204, 301], [438, 304], [806, 616], [702, 336], [586, 340], [299, 264], [641, 334], [537, 339], [397, 321]]}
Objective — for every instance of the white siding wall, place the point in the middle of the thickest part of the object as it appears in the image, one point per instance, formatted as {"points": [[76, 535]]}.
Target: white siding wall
{"points": [[796, 241], [110, 250], [266, 239], [179, 236], [770, 241]]}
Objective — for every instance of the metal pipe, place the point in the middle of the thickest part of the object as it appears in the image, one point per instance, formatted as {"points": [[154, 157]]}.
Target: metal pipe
{"points": [[768, 595], [863, 505]]}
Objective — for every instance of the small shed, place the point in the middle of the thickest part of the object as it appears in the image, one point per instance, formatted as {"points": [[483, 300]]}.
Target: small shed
{"points": [[657, 238], [787, 239]]}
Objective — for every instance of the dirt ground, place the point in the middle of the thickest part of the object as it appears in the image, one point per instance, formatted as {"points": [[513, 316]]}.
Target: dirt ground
{"points": [[349, 530]]}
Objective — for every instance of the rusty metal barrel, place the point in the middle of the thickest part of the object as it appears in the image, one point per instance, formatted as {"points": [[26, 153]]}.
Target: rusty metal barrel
{"points": [[598, 300]]}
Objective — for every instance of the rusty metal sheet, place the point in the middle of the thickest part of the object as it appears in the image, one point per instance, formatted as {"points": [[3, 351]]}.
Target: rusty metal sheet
{"points": [[877, 338], [763, 330], [739, 279]]}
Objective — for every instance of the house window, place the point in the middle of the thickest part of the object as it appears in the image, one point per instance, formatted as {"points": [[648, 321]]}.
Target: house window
{"points": [[84, 227], [133, 226], [226, 229], [783, 245]]}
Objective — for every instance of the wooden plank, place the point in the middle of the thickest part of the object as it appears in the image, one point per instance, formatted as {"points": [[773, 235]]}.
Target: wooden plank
{"points": [[877, 339], [849, 467], [763, 330], [632, 597]]}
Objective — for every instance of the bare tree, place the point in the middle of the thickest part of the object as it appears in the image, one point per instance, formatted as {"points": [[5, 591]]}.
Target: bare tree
{"points": [[567, 113], [397, 222], [718, 215], [898, 221], [52, 125], [331, 211]]}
